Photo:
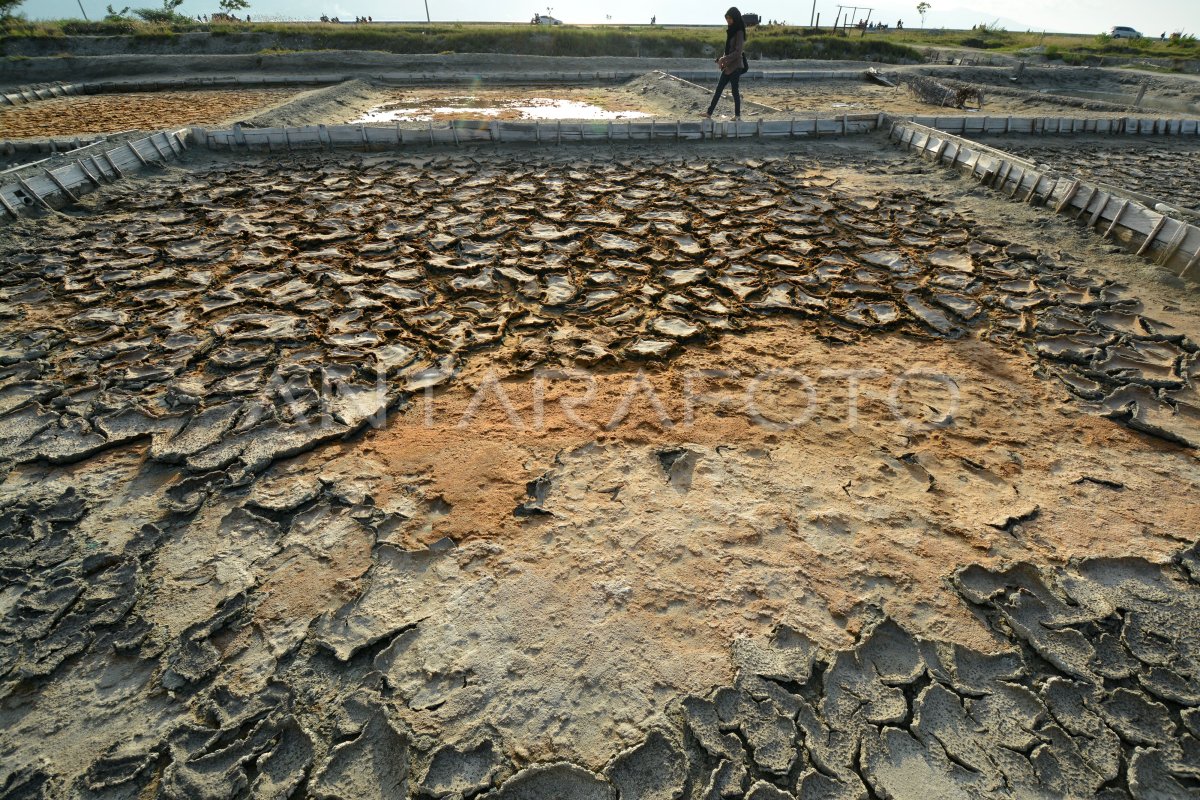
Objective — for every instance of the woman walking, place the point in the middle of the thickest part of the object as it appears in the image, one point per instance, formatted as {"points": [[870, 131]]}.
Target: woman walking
{"points": [[732, 63]]}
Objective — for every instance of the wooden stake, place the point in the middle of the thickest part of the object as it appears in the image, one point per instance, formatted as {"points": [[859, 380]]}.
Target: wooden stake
{"points": [[8, 207], [61, 186], [1002, 175], [140, 157], [113, 164], [1173, 245], [161, 155], [1158, 226], [100, 168], [1068, 198], [37, 198], [1017, 186], [1087, 202], [1195, 260], [1113, 225], [1037, 179], [95, 181], [1099, 210]]}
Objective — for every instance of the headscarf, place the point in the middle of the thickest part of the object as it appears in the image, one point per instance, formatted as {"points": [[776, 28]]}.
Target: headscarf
{"points": [[737, 19]]}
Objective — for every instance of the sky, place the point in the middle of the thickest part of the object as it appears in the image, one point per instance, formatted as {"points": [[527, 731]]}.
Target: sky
{"points": [[1151, 17]]}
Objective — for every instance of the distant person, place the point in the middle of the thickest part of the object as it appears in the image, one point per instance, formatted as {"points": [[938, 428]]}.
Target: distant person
{"points": [[652, 20], [900, 25], [1162, 36], [732, 63]]}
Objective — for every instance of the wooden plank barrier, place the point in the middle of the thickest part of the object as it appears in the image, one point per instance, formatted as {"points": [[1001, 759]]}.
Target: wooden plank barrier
{"points": [[34, 186], [32, 94], [1170, 242], [458, 132], [1046, 126]]}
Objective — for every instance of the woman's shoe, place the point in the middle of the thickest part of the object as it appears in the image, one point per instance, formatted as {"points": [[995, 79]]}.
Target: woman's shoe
{"points": [[706, 116], [737, 119]]}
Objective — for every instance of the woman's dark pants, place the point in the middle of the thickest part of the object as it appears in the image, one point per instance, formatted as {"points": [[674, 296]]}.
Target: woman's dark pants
{"points": [[732, 80]]}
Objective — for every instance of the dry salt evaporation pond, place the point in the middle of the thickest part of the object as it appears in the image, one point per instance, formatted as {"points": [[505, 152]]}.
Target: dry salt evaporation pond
{"points": [[108, 113], [496, 473]]}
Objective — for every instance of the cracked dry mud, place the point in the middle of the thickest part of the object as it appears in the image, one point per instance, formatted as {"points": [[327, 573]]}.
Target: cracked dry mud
{"points": [[481, 475]]}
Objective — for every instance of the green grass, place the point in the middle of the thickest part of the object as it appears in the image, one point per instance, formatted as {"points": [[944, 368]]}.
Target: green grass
{"points": [[774, 43], [765, 42], [1057, 45]]}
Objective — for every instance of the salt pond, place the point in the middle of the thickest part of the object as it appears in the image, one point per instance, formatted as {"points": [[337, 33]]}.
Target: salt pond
{"points": [[521, 108]]}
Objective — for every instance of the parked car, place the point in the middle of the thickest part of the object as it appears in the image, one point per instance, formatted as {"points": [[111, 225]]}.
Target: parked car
{"points": [[1122, 32]]}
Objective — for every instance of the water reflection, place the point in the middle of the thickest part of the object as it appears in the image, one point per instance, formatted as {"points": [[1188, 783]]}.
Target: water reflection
{"points": [[522, 108]]}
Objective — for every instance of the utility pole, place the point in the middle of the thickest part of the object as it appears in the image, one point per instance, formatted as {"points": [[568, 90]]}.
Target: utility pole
{"points": [[427, 11], [812, 18], [81, 11]]}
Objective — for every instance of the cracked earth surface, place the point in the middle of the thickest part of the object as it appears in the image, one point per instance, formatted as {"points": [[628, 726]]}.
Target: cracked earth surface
{"points": [[498, 475]]}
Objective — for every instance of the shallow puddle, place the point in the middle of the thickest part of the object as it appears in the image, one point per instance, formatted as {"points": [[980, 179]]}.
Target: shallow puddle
{"points": [[469, 105]]}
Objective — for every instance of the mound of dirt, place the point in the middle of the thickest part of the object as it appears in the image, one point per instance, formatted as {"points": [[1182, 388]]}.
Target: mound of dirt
{"points": [[329, 105], [672, 96]]}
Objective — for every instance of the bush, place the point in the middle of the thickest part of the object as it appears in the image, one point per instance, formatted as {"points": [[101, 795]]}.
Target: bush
{"points": [[162, 16]]}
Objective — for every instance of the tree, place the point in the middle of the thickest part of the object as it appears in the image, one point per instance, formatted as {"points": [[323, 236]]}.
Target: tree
{"points": [[230, 6], [165, 15], [7, 6], [922, 9]]}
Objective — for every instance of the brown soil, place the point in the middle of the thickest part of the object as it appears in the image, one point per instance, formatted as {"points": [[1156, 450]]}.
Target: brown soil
{"points": [[876, 497], [68, 116]]}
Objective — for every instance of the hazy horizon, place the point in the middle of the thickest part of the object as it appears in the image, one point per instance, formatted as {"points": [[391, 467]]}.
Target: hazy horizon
{"points": [[1070, 16]]}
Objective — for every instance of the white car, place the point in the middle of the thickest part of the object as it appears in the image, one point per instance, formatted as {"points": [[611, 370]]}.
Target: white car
{"points": [[1122, 32]]}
